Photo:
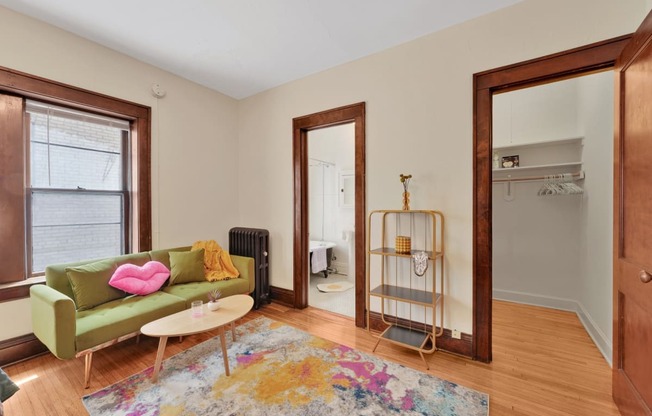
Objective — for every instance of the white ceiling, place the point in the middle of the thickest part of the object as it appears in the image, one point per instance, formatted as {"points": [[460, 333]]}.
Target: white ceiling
{"points": [[242, 47]]}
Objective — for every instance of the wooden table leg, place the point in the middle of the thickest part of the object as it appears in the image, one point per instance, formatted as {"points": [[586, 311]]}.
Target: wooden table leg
{"points": [[159, 357], [88, 360], [233, 330], [226, 358]]}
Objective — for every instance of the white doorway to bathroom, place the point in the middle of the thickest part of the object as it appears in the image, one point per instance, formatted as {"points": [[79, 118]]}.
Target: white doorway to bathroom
{"points": [[331, 213]]}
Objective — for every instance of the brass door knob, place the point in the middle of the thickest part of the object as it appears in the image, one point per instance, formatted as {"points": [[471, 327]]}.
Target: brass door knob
{"points": [[645, 276]]}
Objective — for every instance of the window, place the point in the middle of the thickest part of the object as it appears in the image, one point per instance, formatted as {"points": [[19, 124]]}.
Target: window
{"points": [[79, 196], [74, 178]]}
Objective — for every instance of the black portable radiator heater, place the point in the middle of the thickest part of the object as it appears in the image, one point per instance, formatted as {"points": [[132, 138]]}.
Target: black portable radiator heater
{"points": [[254, 242]]}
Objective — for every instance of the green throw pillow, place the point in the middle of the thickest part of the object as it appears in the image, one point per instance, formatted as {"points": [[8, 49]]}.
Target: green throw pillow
{"points": [[90, 284], [187, 266]]}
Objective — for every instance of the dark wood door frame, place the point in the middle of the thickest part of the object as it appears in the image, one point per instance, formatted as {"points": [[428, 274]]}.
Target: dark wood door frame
{"points": [[300, 128], [568, 64]]}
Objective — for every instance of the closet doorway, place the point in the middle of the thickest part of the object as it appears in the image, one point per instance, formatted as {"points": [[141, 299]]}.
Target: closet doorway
{"points": [[584, 60], [552, 200]]}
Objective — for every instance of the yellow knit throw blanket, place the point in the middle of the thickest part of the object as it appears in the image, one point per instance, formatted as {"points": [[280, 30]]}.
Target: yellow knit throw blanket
{"points": [[217, 262]]}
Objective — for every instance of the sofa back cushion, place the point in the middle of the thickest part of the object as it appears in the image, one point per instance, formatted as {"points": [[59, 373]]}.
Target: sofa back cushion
{"points": [[187, 267], [90, 284], [57, 278], [164, 255]]}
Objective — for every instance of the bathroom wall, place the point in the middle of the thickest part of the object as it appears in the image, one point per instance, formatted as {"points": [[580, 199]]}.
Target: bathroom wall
{"points": [[335, 145]]}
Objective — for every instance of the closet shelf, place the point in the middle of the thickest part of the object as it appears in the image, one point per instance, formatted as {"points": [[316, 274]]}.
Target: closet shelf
{"points": [[405, 294], [533, 167], [575, 176], [388, 251], [543, 143]]}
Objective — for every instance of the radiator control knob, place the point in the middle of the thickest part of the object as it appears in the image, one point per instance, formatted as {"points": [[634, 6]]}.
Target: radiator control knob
{"points": [[265, 253]]}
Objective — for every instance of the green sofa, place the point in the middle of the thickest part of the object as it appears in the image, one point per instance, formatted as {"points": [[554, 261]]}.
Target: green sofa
{"points": [[70, 333]]}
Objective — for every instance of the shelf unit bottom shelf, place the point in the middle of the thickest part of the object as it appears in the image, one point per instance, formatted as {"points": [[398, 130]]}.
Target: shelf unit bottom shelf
{"points": [[411, 337]]}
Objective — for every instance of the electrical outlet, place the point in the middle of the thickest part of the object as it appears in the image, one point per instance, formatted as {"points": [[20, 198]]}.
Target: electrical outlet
{"points": [[456, 334]]}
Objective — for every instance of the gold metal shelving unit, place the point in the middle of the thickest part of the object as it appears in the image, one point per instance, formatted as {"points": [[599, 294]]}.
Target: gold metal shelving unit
{"points": [[407, 290]]}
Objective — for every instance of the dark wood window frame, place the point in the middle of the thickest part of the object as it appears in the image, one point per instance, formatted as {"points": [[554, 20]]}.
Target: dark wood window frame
{"points": [[29, 86], [579, 61]]}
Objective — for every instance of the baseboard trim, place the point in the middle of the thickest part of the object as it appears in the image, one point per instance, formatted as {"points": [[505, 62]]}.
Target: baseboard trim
{"points": [[20, 348], [599, 338], [596, 334], [283, 296], [445, 342]]}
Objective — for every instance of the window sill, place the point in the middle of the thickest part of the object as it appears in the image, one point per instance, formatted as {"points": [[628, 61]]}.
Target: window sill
{"points": [[18, 290]]}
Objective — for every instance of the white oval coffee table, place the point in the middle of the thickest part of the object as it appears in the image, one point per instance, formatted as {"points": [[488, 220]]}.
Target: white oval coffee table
{"points": [[184, 323]]}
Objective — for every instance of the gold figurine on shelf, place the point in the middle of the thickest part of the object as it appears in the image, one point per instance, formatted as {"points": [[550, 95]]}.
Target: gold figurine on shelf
{"points": [[405, 180]]}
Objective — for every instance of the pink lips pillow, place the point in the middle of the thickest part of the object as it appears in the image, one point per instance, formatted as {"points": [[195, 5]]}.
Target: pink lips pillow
{"points": [[140, 280]]}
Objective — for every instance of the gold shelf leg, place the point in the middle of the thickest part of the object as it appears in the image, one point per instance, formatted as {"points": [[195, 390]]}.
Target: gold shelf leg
{"points": [[376, 346], [424, 360]]}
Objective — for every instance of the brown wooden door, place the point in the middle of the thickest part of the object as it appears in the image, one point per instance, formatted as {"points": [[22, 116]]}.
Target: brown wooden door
{"points": [[632, 363]]}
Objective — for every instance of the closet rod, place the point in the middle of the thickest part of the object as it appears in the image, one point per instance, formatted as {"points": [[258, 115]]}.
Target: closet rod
{"points": [[576, 176], [321, 161]]}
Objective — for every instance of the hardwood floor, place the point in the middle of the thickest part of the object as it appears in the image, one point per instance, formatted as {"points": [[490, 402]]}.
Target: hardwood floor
{"points": [[544, 364]]}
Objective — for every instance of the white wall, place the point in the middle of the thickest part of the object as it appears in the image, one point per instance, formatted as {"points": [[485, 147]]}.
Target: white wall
{"points": [[536, 239], [515, 122], [596, 276], [194, 132], [336, 145], [16, 319], [419, 120]]}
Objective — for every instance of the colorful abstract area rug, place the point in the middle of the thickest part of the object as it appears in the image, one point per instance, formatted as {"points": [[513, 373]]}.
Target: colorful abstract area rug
{"points": [[279, 370]]}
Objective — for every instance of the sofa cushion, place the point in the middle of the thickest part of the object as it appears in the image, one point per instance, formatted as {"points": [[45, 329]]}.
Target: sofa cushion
{"points": [[187, 266], [163, 255], [123, 316], [139, 280], [57, 278], [90, 284], [199, 290]]}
